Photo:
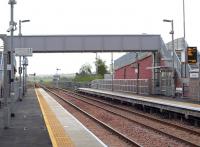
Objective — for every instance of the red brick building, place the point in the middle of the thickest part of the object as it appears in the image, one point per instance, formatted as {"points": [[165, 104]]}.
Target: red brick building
{"points": [[137, 68], [144, 66]]}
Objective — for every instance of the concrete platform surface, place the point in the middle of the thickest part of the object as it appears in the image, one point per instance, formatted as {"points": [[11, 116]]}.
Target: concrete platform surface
{"points": [[27, 128], [77, 133]]}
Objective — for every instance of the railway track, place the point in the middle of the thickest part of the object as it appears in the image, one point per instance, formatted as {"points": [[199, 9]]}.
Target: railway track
{"points": [[114, 131], [181, 127], [186, 138]]}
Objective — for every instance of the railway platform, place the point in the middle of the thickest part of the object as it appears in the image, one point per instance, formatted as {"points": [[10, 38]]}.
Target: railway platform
{"points": [[40, 121], [64, 129], [27, 128], [184, 108]]}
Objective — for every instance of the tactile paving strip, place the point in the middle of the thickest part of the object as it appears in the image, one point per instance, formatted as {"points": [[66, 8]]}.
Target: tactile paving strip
{"points": [[57, 134]]}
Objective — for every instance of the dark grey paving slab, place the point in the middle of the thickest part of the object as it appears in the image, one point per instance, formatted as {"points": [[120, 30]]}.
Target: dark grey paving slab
{"points": [[27, 128]]}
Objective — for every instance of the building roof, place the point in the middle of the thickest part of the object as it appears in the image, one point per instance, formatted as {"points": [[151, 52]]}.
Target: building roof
{"points": [[129, 58]]}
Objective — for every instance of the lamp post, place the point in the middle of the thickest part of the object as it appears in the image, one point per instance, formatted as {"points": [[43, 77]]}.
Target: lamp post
{"points": [[173, 54], [20, 25], [11, 29], [185, 52], [20, 66], [184, 20]]}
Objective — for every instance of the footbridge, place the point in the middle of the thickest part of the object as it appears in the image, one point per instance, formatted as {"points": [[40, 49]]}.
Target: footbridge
{"points": [[99, 43], [88, 43]]}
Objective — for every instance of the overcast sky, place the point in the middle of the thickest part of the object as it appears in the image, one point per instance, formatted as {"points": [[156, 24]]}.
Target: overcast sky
{"points": [[98, 17]]}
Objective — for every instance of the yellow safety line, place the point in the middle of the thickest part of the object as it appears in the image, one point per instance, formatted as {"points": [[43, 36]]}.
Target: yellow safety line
{"points": [[56, 131]]}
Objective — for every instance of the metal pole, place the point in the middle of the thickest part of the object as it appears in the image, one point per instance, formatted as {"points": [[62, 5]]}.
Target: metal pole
{"points": [[185, 64], [20, 33], [184, 19], [20, 66], [20, 79], [112, 70], [173, 72], [173, 51], [12, 23], [23, 79], [21, 88]]}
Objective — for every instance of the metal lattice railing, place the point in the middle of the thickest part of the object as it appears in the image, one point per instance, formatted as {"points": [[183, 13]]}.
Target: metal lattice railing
{"points": [[140, 86]]}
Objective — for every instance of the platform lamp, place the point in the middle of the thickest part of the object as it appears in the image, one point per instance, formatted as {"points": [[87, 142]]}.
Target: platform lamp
{"points": [[20, 25], [11, 29], [185, 53], [20, 66], [173, 54]]}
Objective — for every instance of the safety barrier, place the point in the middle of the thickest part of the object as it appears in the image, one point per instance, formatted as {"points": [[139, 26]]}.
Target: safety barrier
{"points": [[140, 86]]}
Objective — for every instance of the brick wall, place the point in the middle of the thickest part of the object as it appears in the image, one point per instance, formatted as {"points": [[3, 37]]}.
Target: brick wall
{"points": [[145, 73], [129, 71]]}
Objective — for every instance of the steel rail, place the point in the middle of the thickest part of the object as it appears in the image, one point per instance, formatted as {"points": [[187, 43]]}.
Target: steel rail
{"points": [[120, 135], [139, 114], [137, 122], [143, 115]]}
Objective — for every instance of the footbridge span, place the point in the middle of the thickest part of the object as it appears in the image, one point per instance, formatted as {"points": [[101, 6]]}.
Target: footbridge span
{"points": [[88, 43]]}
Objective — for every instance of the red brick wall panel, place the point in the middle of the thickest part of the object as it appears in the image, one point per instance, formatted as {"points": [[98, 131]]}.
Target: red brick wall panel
{"points": [[128, 72], [145, 73]]}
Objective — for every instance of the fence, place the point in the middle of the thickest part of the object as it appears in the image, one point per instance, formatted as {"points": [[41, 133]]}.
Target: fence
{"points": [[140, 86], [72, 85]]}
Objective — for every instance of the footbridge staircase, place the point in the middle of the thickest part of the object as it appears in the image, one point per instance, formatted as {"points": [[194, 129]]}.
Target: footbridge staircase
{"points": [[182, 69]]}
